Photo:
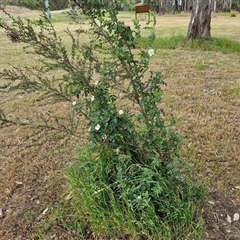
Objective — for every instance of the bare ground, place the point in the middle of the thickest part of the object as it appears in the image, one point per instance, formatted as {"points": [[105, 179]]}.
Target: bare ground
{"points": [[32, 161]]}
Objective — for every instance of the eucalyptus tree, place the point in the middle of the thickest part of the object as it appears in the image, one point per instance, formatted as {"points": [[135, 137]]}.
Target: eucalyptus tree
{"points": [[200, 21]]}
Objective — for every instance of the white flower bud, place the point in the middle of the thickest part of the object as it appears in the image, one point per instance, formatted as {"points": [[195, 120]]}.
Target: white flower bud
{"points": [[97, 127], [120, 112], [151, 52]]}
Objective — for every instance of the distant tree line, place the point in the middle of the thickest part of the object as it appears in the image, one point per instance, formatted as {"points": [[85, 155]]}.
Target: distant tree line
{"points": [[176, 6], [37, 4], [159, 6]]}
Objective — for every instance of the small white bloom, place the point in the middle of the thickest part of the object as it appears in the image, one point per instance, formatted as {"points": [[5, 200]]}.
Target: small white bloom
{"points": [[98, 22], [89, 129], [92, 98], [139, 197], [97, 127], [104, 137], [96, 83], [98, 191], [117, 151], [74, 103], [120, 112], [151, 52]]}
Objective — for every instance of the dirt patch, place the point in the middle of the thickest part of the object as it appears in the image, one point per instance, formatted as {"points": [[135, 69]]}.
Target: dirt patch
{"points": [[222, 217]]}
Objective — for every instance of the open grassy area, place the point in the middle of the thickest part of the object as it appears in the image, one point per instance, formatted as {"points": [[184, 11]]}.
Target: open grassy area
{"points": [[202, 93]]}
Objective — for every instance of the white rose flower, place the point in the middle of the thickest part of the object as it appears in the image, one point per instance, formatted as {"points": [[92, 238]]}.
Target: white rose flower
{"points": [[139, 197], [117, 151], [97, 127], [120, 112], [98, 22], [92, 98], [96, 83], [151, 52], [74, 103]]}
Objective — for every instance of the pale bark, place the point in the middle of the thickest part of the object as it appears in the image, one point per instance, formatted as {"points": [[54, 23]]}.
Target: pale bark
{"points": [[185, 5], [161, 7], [215, 6], [230, 5], [225, 7], [200, 22]]}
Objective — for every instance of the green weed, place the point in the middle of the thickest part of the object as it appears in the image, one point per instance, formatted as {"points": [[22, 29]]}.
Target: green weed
{"points": [[233, 14], [233, 93], [200, 66]]}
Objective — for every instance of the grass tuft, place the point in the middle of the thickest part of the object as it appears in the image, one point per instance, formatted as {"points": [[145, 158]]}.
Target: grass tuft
{"points": [[200, 66], [223, 45], [233, 93], [172, 42], [233, 14], [119, 199]]}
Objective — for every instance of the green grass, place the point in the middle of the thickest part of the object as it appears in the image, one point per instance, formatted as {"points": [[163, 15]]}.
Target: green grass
{"points": [[200, 66], [220, 44], [223, 45], [116, 198], [233, 93], [172, 42]]}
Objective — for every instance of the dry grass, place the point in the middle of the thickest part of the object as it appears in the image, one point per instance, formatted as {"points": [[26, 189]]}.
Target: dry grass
{"points": [[202, 88], [222, 25], [206, 116]]}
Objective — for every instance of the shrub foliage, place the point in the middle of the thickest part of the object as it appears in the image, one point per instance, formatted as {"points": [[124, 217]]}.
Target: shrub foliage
{"points": [[130, 180]]}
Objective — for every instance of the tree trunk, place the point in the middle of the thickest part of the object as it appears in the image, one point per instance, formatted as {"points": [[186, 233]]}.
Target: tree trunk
{"points": [[161, 7], [215, 6], [200, 22], [230, 5], [185, 5]]}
